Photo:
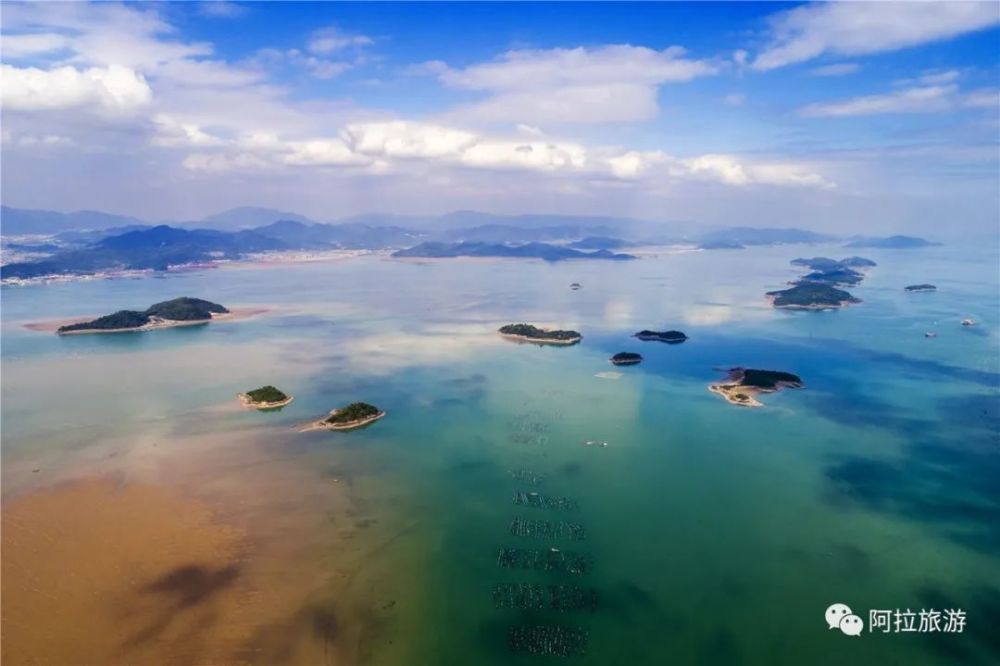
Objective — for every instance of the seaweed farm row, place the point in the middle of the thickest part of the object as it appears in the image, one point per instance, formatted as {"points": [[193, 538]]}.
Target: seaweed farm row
{"points": [[527, 476], [539, 501], [544, 559], [544, 529], [529, 596], [550, 641]]}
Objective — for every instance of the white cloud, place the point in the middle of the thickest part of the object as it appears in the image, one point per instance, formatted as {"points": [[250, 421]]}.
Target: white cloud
{"points": [[20, 46], [403, 139], [732, 170], [734, 99], [114, 89], [220, 162], [531, 155], [329, 40], [836, 69], [323, 152], [170, 132], [634, 163], [937, 78], [925, 99], [221, 9], [615, 83], [858, 28]]}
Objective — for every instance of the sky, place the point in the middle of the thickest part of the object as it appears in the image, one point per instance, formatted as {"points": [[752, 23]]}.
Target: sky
{"points": [[844, 116]]}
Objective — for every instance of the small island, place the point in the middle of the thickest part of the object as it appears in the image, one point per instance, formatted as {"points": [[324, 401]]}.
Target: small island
{"points": [[920, 287], [626, 358], [743, 385], [182, 311], [574, 286], [354, 415], [811, 296], [670, 337], [265, 398], [529, 333]]}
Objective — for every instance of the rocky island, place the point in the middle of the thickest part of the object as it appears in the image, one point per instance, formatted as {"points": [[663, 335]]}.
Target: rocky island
{"points": [[811, 296], [182, 311], [265, 398], [354, 415], [529, 333], [626, 358], [743, 385], [920, 287], [670, 337]]}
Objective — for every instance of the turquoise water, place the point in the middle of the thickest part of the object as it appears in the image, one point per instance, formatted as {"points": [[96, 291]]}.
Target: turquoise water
{"points": [[717, 535]]}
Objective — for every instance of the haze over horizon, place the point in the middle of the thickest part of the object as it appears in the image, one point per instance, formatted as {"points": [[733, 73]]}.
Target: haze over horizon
{"points": [[840, 118]]}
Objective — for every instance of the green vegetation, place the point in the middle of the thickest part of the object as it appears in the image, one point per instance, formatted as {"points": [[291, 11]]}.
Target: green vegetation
{"points": [[356, 411], [267, 394], [626, 358], [529, 331], [768, 379], [921, 287], [671, 337], [811, 295], [120, 319], [178, 309], [185, 309]]}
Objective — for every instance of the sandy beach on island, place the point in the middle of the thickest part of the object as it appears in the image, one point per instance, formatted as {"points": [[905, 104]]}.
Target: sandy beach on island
{"points": [[53, 325], [321, 424], [540, 341], [729, 392], [248, 402]]}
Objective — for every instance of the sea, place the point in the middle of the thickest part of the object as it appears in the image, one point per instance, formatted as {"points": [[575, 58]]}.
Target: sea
{"points": [[684, 530]]}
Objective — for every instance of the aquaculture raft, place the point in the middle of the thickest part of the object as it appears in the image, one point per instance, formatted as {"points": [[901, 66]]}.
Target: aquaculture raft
{"points": [[529, 596], [539, 501], [544, 529], [548, 640], [544, 559]]}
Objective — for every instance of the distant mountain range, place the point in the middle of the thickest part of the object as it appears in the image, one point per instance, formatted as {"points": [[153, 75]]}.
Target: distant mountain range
{"points": [[526, 251], [88, 241]]}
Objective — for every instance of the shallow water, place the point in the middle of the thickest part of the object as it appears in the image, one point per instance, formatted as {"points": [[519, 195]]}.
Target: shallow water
{"points": [[717, 534]]}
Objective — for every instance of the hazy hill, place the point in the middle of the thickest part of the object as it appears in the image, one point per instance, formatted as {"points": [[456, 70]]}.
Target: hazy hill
{"points": [[18, 221]]}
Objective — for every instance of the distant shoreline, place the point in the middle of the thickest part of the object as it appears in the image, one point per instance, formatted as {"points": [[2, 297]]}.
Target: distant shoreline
{"points": [[323, 424], [541, 341]]}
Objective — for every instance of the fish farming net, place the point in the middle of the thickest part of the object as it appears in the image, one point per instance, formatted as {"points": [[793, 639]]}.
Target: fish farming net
{"points": [[544, 559], [544, 529], [539, 501], [529, 596], [528, 438], [548, 640], [527, 476]]}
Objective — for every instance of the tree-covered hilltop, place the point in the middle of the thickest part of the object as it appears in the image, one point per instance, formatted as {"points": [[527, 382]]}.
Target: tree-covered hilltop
{"points": [[267, 394], [185, 309], [766, 379], [811, 295], [178, 309], [626, 358], [671, 337], [529, 331], [356, 411], [120, 319]]}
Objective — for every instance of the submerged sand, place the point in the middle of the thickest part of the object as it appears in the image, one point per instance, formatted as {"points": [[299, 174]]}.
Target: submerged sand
{"points": [[53, 325]]}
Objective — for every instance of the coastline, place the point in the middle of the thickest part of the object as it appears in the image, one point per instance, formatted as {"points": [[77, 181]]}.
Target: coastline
{"points": [[541, 341], [728, 391], [53, 325], [321, 424]]}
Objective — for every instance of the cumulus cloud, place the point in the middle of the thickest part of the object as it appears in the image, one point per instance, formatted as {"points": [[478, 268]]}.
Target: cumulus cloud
{"points": [[403, 139], [858, 28], [732, 170], [31, 44], [615, 83], [112, 89]]}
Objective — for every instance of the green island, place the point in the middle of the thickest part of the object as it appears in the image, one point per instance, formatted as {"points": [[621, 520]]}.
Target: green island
{"points": [[811, 296], [352, 416], [529, 333], [921, 287], [265, 398], [182, 311], [743, 385], [670, 337], [626, 358]]}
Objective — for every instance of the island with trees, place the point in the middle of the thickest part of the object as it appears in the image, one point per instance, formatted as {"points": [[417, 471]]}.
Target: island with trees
{"points": [[265, 398], [529, 333], [920, 287], [354, 415], [743, 385], [626, 358], [670, 337], [182, 311], [811, 296]]}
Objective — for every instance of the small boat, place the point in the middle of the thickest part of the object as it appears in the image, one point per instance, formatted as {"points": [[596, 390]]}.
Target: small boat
{"points": [[968, 322], [930, 334]]}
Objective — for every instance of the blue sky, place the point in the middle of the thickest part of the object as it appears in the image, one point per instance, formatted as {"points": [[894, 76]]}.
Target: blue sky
{"points": [[835, 115]]}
